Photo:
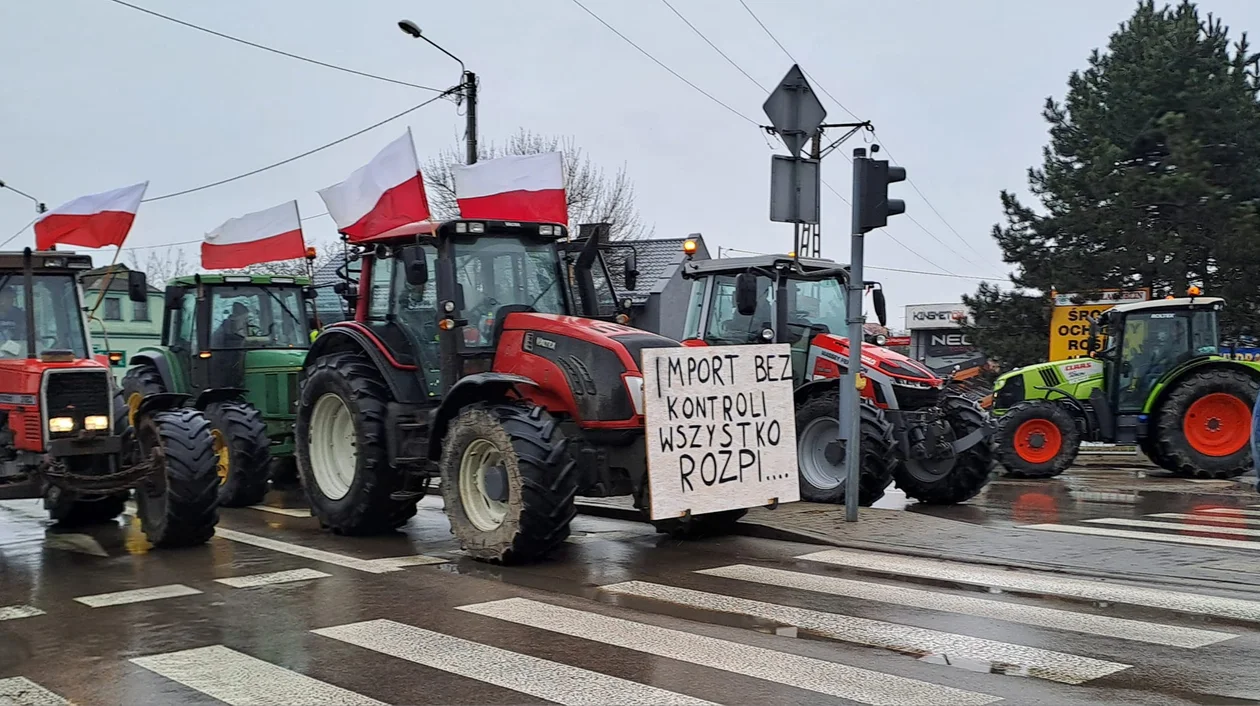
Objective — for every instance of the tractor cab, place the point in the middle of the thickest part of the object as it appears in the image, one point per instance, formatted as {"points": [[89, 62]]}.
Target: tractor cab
{"points": [[1144, 342]]}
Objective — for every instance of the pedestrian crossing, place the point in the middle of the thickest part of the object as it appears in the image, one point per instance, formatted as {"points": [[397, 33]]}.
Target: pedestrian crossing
{"points": [[1218, 527], [525, 643]]}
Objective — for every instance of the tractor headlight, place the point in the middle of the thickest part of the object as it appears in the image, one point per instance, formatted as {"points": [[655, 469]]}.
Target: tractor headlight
{"points": [[61, 425], [634, 386], [96, 422]]}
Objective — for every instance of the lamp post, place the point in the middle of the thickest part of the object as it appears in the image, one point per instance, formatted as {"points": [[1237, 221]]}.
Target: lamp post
{"points": [[468, 89]]}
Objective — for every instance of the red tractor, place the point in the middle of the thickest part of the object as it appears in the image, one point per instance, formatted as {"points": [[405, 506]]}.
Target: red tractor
{"points": [[67, 436], [916, 430], [463, 362]]}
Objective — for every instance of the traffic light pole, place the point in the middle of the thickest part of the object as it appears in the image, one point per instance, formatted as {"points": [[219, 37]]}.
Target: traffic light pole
{"points": [[850, 400]]}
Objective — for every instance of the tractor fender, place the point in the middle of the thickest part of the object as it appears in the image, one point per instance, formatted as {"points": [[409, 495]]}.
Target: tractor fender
{"points": [[219, 394], [809, 388], [162, 402], [480, 387], [1168, 382], [349, 337], [158, 360]]}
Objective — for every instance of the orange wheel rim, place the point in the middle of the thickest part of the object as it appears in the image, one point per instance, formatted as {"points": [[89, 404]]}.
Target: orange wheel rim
{"points": [[1218, 424], [1038, 440]]}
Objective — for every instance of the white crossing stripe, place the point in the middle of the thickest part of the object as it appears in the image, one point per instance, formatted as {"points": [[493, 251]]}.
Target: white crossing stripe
{"points": [[808, 673], [289, 511], [1149, 536], [1216, 520], [240, 680], [139, 595], [13, 612], [1180, 527], [920, 642], [371, 566], [1107, 626], [20, 691], [272, 578], [1232, 511], [537, 677], [988, 576]]}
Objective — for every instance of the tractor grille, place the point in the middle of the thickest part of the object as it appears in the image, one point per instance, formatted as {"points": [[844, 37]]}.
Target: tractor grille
{"points": [[1050, 377], [77, 394]]}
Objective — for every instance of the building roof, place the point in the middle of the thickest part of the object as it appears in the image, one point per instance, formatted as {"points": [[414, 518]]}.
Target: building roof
{"points": [[327, 300], [92, 279], [656, 260]]}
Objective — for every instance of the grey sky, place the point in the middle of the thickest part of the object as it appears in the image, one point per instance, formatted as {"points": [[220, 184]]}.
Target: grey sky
{"points": [[95, 96]]}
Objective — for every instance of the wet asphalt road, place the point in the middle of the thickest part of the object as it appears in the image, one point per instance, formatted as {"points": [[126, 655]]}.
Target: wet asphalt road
{"points": [[620, 615]]}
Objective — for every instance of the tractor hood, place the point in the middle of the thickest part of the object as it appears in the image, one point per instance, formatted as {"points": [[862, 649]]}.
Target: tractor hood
{"points": [[885, 360], [628, 343]]}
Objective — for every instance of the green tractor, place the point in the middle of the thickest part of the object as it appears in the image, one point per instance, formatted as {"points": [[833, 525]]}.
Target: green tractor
{"points": [[235, 343], [1158, 381]]}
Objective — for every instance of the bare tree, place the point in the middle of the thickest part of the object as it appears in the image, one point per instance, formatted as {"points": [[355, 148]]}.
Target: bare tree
{"points": [[297, 267], [161, 264], [593, 195]]}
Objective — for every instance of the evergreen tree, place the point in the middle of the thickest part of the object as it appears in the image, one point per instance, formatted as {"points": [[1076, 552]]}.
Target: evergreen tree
{"points": [[1151, 179]]}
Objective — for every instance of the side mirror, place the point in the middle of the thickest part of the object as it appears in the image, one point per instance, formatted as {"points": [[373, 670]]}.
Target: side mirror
{"points": [[174, 298], [416, 267], [746, 293], [631, 275], [881, 306], [137, 286], [1091, 343], [459, 298]]}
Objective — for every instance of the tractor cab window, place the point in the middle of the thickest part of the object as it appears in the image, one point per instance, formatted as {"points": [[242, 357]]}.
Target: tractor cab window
{"points": [[416, 310], [496, 272], [605, 297], [58, 316], [13, 340], [1154, 343], [813, 306], [695, 309], [726, 324], [252, 317]]}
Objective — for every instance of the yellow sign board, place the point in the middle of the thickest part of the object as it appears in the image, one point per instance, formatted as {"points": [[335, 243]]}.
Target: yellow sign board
{"points": [[1069, 319]]}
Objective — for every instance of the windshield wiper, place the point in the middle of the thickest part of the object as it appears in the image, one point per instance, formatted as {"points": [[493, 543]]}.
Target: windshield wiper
{"points": [[283, 306]]}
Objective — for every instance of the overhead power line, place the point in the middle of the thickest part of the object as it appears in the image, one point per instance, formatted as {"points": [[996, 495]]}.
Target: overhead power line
{"points": [[721, 53], [307, 153], [273, 50], [929, 205], [20, 231]]}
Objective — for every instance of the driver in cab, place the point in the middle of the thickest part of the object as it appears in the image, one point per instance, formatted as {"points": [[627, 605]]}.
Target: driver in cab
{"points": [[12, 323]]}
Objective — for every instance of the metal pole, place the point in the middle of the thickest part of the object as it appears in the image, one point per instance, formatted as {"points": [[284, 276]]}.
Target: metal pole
{"points": [[850, 400], [470, 92], [815, 231]]}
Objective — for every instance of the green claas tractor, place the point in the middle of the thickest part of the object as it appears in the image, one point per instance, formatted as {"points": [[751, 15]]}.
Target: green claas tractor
{"points": [[1158, 381], [235, 343]]}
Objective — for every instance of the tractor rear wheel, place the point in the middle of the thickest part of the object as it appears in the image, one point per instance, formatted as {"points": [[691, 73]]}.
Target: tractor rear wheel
{"points": [[178, 503], [508, 482], [341, 454], [820, 456], [1203, 427], [1036, 439], [243, 452], [958, 478]]}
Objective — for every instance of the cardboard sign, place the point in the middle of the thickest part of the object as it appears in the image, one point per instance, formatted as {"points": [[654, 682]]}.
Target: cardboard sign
{"points": [[721, 428]]}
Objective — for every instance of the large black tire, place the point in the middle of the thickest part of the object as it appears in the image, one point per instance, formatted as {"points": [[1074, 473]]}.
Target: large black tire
{"points": [[535, 491], [1209, 452], [180, 507], [358, 501], [971, 470], [239, 426], [284, 472], [143, 380], [1007, 446], [821, 459]]}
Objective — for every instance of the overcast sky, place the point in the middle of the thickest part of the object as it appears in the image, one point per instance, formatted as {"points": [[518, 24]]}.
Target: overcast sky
{"points": [[95, 96]]}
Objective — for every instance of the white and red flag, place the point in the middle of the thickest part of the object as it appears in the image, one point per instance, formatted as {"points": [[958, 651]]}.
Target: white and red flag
{"points": [[263, 236], [385, 193], [93, 221], [517, 188]]}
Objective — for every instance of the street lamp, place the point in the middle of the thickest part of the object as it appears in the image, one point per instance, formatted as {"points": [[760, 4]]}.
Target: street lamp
{"points": [[469, 87]]}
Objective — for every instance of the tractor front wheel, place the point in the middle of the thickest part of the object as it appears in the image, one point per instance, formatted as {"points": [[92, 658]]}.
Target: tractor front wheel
{"points": [[1036, 439], [243, 452], [820, 455], [958, 477], [140, 382], [341, 454], [508, 482], [178, 502], [1203, 427]]}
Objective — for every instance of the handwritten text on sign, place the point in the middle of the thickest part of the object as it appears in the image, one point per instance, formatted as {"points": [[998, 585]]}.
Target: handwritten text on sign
{"points": [[721, 430]]}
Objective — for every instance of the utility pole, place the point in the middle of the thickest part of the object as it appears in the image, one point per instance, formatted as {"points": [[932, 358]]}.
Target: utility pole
{"points": [[470, 92], [810, 244]]}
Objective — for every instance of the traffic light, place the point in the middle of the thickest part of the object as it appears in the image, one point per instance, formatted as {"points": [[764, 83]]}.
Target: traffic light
{"points": [[872, 178]]}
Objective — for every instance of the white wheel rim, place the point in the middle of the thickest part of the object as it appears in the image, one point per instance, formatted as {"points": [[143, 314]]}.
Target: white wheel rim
{"points": [[485, 513], [811, 453], [333, 446]]}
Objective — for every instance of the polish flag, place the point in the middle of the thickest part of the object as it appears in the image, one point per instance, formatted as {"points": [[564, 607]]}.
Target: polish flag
{"points": [[264, 236], [91, 221], [386, 193], [517, 188]]}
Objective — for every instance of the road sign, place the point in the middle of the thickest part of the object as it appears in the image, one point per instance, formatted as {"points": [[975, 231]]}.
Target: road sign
{"points": [[794, 110], [721, 430], [794, 189]]}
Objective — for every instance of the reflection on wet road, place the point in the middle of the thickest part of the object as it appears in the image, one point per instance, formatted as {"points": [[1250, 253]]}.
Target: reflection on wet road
{"points": [[275, 611]]}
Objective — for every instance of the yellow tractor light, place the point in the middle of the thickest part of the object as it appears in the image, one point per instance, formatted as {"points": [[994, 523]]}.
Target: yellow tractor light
{"points": [[61, 425], [1194, 291], [689, 247], [96, 422]]}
